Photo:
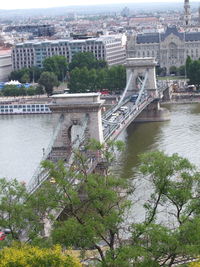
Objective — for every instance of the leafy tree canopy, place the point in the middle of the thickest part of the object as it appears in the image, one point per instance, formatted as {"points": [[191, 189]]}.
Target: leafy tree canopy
{"points": [[84, 79], [92, 208], [56, 64], [26, 74], [48, 80], [86, 59]]}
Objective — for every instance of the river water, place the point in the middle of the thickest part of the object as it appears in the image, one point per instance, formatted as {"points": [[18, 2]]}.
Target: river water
{"points": [[179, 135], [23, 137]]}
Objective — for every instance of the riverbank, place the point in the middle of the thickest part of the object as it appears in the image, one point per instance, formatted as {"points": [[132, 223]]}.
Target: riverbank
{"points": [[183, 98]]}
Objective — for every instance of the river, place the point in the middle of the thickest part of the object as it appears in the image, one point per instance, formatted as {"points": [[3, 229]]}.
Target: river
{"points": [[23, 137]]}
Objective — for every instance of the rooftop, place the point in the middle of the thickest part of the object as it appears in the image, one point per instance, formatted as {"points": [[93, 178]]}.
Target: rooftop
{"points": [[78, 95], [157, 37]]}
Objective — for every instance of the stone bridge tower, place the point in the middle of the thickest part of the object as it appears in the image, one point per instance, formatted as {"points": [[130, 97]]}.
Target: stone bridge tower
{"points": [[137, 71], [138, 68], [81, 120]]}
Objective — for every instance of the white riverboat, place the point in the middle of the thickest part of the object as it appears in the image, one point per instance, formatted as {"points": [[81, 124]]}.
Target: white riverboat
{"points": [[7, 109]]}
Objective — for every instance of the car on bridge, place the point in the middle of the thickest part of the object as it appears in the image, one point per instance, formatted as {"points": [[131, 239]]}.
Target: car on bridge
{"points": [[133, 98], [123, 108]]}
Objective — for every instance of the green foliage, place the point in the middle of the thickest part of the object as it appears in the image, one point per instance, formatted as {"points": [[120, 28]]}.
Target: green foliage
{"points": [[56, 64], [18, 212], [194, 264], [25, 78], [86, 59], [116, 78], [161, 71], [95, 206], [187, 64], [79, 80], [13, 90], [173, 70], [27, 255], [193, 71], [93, 203], [181, 70], [25, 75], [84, 79], [48, 80], [174, 185]]}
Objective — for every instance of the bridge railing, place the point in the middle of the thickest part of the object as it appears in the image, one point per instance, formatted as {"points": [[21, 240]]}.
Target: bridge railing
{"points": [[40, 175], [108, 113]]}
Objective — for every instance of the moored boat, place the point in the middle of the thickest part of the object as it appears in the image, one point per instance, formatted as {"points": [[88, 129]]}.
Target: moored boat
{"points": [[7, 109]]}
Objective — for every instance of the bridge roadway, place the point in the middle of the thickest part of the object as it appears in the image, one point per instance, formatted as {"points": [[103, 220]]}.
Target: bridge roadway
{"points": [[122, 117]]}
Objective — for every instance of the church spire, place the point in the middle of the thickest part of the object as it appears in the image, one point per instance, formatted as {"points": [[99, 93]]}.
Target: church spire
{"points": [[187, 15]]}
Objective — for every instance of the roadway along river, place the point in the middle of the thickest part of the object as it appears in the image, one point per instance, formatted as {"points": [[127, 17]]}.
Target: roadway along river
{"points": [[23, 137]]}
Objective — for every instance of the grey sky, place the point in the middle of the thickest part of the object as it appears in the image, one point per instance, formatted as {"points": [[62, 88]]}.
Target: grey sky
{"points": [[21, 4]]}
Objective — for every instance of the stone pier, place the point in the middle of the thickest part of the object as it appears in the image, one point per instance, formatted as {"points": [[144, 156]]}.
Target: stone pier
{"points": [[81, 120]]}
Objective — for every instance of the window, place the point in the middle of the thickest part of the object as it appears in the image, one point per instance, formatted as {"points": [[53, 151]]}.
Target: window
{"points": [[173, 51]]}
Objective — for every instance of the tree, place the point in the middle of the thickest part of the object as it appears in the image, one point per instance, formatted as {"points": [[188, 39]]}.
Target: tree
{"points": [[181, 70], [27, 255], [56, 64], [13, 90], [101, 79], [116, 78], [187, 64], [25, 78], [26, 74], [96, 215], [18, 74], [39, 90], [86, 59], [34, 73], [99, 214], [48, 80], [176, 186], [92, 208], [81, 80], [19, 212], [194, 72], [173, 70]]}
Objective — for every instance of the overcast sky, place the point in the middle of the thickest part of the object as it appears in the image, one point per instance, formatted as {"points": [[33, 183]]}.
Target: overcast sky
{"points": [[21, 4]]}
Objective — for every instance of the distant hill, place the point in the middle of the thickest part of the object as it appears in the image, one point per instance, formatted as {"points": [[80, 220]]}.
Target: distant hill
{"points": [[94, 9]]}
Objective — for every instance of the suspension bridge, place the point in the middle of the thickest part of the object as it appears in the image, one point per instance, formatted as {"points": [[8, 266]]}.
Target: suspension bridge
{"points": [[80, 117]]}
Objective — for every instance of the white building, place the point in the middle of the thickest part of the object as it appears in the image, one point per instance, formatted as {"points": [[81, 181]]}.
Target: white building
{"points": [[109, 48], [5, 65]]}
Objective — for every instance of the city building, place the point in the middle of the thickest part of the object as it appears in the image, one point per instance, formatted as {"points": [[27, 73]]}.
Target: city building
{"points": [[170, 48], [35, 30], [109, 48], [5, 64]]}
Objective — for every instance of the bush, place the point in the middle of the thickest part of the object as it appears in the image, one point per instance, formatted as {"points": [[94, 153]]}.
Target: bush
{"points": [[26, 255], [195, 264]]}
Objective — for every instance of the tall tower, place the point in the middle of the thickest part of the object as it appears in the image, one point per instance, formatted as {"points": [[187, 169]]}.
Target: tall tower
{"points": [[187, 15]]}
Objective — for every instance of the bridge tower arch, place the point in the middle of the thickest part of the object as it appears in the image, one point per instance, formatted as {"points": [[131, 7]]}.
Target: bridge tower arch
{"points": [[136, 70], [81, 121]]}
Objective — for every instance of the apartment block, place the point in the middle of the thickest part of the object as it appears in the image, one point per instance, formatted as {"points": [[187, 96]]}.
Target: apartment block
{"points": [[109, 48], [5, 64]]}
